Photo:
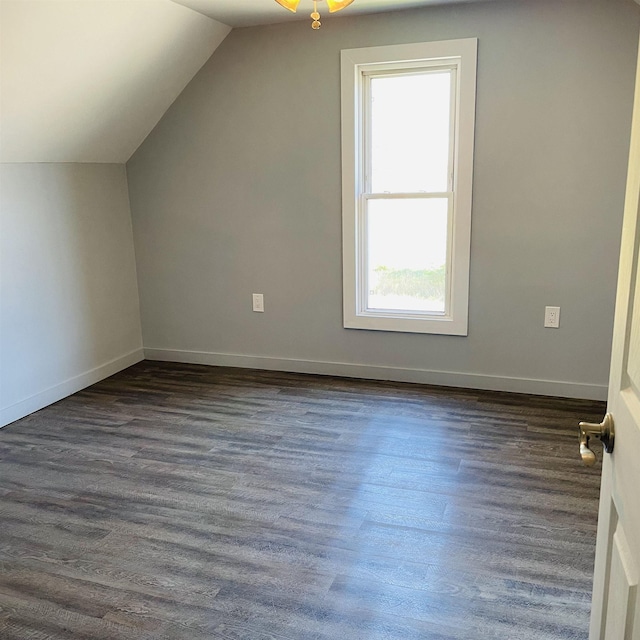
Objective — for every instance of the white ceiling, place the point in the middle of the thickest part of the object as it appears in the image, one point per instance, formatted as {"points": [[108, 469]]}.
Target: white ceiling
{"points": [[87, 80], [244, 13]]}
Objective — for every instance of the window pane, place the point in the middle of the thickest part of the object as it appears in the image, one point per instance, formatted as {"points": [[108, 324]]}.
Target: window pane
{"points": [[407, 254], [410, 125]]}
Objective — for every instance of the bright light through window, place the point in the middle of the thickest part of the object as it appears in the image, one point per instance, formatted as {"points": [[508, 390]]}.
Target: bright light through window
{"points": [[410, 132], [407, 255], [407, 132]]}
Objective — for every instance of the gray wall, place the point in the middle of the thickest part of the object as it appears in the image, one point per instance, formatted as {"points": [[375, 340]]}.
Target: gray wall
{"points": [[237, 190], [69, 312]]}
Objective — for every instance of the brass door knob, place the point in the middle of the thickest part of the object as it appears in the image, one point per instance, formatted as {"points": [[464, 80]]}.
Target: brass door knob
{"points": [[588, 456], [603, 432]]}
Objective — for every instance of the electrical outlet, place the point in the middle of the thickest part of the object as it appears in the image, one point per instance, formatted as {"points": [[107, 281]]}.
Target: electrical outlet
{"points": [[552, 317], [258, 302]]}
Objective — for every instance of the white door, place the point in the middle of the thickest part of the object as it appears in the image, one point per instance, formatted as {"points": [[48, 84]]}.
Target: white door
{"points": [[616, 598]]}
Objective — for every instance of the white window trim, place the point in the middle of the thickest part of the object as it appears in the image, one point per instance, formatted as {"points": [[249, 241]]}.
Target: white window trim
{"points": [[462, 54]]}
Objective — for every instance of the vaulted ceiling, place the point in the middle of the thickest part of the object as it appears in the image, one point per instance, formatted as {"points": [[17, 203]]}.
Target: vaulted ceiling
{"points": [[87, 80]]}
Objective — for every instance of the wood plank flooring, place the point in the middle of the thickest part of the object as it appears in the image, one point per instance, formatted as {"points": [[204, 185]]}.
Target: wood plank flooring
{"points": [[189, 502]]}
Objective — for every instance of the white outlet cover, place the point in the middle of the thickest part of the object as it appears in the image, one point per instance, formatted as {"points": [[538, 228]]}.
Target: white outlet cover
{"points": [[552, 317], [258, 302]]}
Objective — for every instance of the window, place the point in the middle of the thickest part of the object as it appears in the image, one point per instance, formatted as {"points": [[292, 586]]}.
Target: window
{"points": [[408, 116]]}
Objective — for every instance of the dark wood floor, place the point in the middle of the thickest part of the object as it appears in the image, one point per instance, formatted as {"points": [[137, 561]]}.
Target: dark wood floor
{"points": [[188, 502]]}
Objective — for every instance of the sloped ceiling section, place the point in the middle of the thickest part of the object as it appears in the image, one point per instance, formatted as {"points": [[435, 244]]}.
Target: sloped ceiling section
{"points": [[87, 80]]}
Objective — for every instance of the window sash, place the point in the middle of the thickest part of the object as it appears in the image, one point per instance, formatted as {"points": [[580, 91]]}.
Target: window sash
{"points": [[362, 251], [365, 116]]}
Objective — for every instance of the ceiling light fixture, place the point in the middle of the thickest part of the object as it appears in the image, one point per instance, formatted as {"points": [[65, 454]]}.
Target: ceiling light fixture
{"points": [[334, 5]]}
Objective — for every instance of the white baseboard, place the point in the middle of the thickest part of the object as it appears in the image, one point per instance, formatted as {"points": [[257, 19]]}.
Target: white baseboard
{"points": [[72, 385], [557, 388], [533, 386]]}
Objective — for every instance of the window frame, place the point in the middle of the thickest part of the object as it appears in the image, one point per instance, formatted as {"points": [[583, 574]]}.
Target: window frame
{"points": [[357, 67]]}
